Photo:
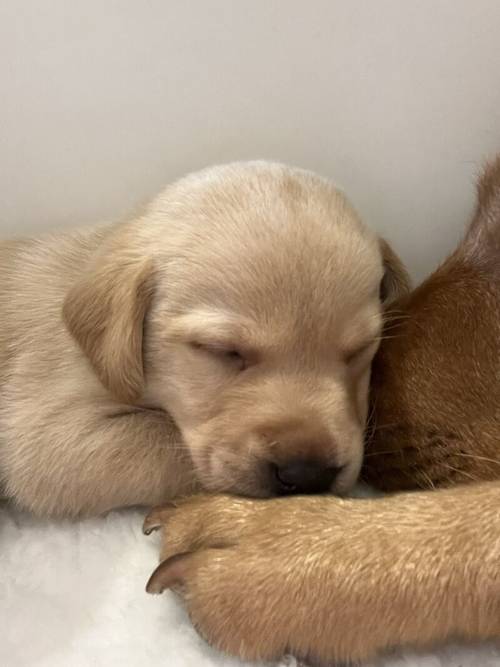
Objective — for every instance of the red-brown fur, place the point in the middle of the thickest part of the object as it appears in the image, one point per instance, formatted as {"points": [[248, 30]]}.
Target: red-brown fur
{"points": [[436, 378]]}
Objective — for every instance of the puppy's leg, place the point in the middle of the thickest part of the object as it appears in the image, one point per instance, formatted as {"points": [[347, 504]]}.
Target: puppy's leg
{"points": [[335, 580], [86, 464]]}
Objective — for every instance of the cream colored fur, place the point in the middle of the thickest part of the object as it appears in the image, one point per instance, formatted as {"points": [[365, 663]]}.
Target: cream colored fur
{"points": [[230, 324]]}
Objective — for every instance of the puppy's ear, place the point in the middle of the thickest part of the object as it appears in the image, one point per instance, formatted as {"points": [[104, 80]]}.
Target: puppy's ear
{"points": [[488, 190], [396, 281], [105, 313], [482, 240]]}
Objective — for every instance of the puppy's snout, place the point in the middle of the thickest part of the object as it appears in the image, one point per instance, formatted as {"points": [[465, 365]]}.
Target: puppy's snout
{"points": [[301, 456], [302, 476]]}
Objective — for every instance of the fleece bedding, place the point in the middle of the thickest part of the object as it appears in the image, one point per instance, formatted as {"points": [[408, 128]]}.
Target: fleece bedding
{"points": [[72, 595]]}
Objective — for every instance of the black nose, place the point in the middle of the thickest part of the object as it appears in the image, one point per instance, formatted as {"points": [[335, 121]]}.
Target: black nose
{"points": [[303, 476]]}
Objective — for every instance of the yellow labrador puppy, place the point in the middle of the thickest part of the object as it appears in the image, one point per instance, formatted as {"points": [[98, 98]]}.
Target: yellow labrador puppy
{"points": [[222, 339]]}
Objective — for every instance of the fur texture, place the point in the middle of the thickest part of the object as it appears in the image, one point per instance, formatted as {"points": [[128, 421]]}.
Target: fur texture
{"points": [[435, 381], [344, 580], [223, 334]]}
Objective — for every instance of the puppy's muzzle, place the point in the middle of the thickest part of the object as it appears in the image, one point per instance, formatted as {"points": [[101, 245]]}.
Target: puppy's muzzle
{"points": [[301, 456]]}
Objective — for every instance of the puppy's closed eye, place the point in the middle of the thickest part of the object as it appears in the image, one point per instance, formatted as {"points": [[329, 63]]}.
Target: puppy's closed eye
{"points": [[225, 353]]}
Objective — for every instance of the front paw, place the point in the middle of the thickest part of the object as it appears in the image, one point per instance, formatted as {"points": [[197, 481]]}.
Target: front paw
{"points": [[266, 578], [211, 555]]}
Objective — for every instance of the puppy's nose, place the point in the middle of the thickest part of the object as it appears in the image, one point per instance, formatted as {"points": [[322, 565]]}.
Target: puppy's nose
{"points": [[303, 476]]}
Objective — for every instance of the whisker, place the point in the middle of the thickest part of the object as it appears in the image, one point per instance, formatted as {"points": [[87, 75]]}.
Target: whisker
{"points": [[478, 457], [398, 451], [390, 337], [390, 318], [382, 427], [461, 472], [427, 479]]}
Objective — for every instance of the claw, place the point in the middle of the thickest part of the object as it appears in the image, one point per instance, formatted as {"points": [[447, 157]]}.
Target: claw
{"points": [[157, 518], [169, 573]]}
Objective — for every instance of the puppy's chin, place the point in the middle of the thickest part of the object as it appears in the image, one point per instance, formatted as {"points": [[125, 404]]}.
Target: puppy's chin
{"points": [[225, 471], [239, 488], [238, 465]]}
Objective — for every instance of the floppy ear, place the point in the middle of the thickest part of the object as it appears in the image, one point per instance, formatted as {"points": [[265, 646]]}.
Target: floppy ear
{"points": [[396, 281], [105, 313]]}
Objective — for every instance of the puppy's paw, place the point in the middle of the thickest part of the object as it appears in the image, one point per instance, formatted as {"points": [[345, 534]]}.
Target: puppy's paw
{"points": [[214, 554], [250, 574]]}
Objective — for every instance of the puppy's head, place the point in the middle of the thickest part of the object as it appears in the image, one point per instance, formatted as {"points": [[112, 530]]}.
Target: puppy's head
{"points": [[247, 303], [435, 388]]}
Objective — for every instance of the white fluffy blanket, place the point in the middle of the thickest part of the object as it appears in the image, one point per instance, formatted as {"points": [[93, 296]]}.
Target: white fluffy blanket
{"points": [[72, 595]]}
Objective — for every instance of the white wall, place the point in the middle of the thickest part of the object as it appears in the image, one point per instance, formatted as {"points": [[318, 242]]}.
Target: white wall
{"points": [[103, 101]]}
